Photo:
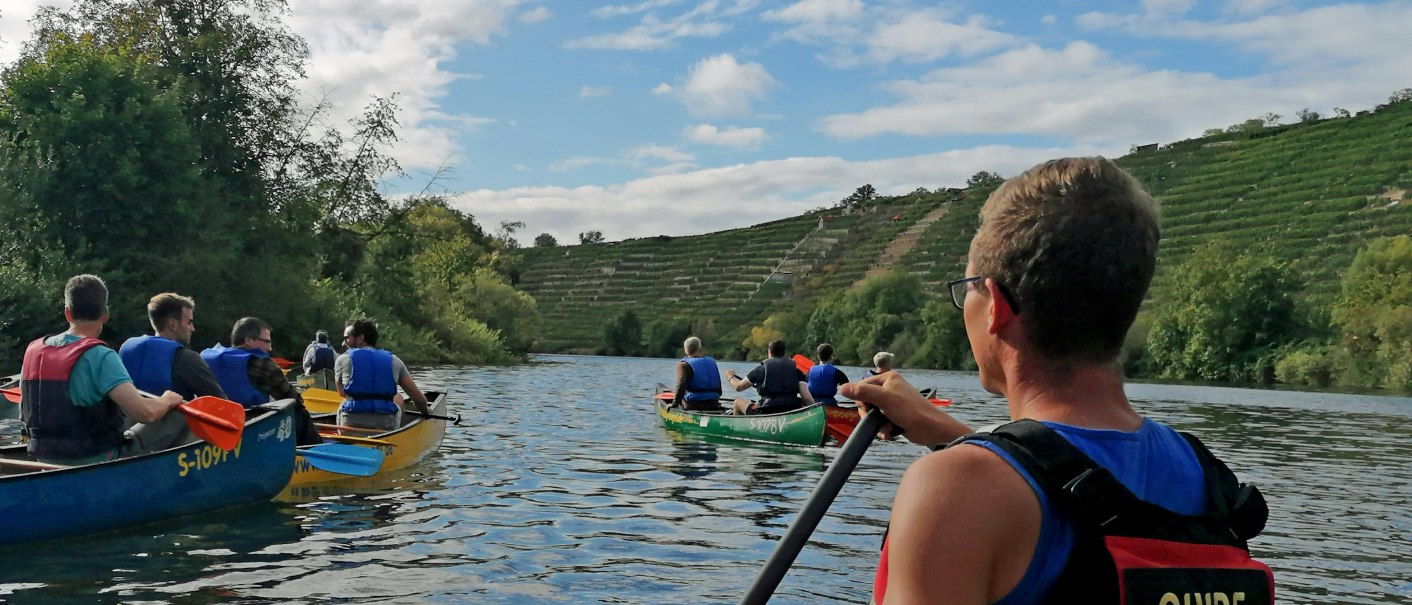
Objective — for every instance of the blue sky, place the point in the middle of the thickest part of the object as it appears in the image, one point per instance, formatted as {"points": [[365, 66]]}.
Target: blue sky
{"points": [[687, 116]]}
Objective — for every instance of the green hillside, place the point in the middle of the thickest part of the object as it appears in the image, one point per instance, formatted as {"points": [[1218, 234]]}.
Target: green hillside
{"points": [[1312, 194]]}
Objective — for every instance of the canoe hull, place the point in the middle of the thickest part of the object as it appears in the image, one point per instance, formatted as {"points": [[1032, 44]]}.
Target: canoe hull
{"points": [[408, 445], [800, 427], [188, 480]]}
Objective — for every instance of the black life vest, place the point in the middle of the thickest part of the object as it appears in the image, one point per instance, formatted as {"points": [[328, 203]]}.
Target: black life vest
{"points": [[55, 426], [779, 391], [1129, 551]]}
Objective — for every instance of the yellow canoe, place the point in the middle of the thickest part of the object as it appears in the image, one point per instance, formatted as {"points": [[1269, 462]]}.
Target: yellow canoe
{"points": [[416, 439]]}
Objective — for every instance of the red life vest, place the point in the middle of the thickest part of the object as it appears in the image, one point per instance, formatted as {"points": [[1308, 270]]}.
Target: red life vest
{"points": [[1128, 551], [55, 426]]}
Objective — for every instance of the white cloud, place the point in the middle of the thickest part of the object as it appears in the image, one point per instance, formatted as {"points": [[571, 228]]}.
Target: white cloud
{"points": [[595, 91], [1049, 19], [1168, 7], [14, 24], [535, 15], [707, 134], [659, 152], [815, 11], [616, 10], [1345, 55], [391, 46], [720, 85], [734, 196], [928, 36], [652, 33], [1251, 7]]}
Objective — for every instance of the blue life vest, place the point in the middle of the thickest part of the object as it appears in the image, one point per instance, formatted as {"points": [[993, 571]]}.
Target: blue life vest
{"points": [[822, 384], [148, 360], [705, 383], [371, 387], [231, 367]]}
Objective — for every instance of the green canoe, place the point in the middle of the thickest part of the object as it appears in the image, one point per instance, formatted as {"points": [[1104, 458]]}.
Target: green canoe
{"points": [[804, 426]]}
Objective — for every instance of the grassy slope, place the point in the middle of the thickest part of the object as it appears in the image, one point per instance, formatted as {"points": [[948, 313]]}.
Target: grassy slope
{"points": [[1312, 194]]}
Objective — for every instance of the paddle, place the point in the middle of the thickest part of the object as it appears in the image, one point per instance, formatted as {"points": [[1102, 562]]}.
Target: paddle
{"points": [[214, 420], [456, 421], [357, 440], [343, 459], [41, 466], [802, 363], [12, 394], [341, 427], [813, 510]]}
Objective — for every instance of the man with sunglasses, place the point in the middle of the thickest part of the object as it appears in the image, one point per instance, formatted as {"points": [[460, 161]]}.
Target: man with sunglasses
{"points": [[1050, 508]]}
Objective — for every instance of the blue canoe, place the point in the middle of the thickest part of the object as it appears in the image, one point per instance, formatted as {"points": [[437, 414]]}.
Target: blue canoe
{"points": [[192, 479]]}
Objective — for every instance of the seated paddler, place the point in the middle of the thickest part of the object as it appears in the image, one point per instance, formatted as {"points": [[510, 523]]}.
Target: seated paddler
{"points": [[367, 378], [698, 379], [824, 378], [76, 397], [164, 361], [251, 377], [782, 387]]}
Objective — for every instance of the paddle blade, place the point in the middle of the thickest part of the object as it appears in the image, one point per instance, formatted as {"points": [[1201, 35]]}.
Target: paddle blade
{"points": [[215, 420], [343, 459], [802, 363], [284, 364], [666, 396], [12, 394]]}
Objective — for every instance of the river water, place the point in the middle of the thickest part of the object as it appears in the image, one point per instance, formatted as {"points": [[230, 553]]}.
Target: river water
{"points": [[561, 486]]}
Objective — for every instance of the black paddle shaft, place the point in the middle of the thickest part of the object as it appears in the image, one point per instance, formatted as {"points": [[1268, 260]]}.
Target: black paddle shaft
{"points": [[813, 510]]}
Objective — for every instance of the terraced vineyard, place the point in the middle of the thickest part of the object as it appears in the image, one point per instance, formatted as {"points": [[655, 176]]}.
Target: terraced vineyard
{"points": [[1310, 193]]}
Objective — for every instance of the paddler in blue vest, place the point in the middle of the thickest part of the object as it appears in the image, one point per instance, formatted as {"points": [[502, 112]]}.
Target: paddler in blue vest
{"points": [[782, 387], [698, 379], [824, 378], [250, 377], [76, 397], [1058, 268], [367, 379], [162, 361]]}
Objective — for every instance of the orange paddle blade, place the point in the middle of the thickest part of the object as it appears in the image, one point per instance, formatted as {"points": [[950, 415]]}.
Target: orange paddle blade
{"points": [[802, 363], [12, 394], [284, 364], [666, 396], [940, 402], [215, 420]]}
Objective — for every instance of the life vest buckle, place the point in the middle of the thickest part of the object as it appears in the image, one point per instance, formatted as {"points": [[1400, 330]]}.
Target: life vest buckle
{"points": [[1096, 496]]}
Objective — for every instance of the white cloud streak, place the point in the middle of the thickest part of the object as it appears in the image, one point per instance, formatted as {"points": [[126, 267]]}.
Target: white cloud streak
{"points": [[707, 134]]}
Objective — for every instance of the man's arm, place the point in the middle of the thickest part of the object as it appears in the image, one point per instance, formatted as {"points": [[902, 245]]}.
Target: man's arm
{"points": [[963, 529], [266, 377], [805, 394], [736, 382], [684, 373], [142, 408], [404, 378], [925, 424]]}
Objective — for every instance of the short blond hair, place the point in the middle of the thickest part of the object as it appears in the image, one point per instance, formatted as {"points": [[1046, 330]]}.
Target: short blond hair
{"points": [[1074, 242]]}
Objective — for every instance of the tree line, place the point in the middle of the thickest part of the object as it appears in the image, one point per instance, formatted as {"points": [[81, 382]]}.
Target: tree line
{"points": [[162, 145]]}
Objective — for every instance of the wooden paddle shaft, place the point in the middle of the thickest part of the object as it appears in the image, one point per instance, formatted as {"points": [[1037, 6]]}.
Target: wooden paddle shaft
{"points": [[813, 510], [34, 465], [342, 427]]}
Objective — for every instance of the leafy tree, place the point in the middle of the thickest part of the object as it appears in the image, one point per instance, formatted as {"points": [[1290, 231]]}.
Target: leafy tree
{"points": [[506, 234], [1308, 116], [944, 345], [1230, 312], [1374, 315], [1400, 96], [786, 325], [665, 337], [860, 197], [1271, 119], [544, 240], [1212, 132], [623, 335], [1340, 112], [870, 317], [984, 180], [591, 237]]}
